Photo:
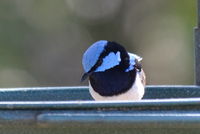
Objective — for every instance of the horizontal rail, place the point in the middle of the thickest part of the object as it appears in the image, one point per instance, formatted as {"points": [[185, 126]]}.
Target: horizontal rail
{"points": [[161, 104], [82, 93]]}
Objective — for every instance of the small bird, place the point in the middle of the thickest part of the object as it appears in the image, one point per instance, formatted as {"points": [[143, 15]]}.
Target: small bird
{"points": [[114, 73]]}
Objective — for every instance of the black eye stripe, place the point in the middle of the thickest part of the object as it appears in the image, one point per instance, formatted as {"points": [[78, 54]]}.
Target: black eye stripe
{"points": [[98, 63]]}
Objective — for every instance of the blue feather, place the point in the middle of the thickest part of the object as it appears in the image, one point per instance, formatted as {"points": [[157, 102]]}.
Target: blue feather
{"points": [[92, 54], [109, 62], [132, 58]]}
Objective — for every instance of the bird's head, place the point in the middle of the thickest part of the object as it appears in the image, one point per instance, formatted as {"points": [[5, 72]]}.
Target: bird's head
{"points": [[104, 55]]}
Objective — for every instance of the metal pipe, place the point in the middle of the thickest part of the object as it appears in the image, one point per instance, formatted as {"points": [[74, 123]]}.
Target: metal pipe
{"points": [[197, 47]]}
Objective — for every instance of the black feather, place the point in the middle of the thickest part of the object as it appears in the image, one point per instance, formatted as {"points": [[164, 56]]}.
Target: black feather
{"points": [[114, 81]]}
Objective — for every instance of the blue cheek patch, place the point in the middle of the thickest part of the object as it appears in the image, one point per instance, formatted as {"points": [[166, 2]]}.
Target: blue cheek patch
{"points": [[90, 57], [132, 58], [109, 61]]}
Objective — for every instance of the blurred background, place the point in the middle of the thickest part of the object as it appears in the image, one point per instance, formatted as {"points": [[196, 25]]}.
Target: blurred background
{"points": [[42, 41]]}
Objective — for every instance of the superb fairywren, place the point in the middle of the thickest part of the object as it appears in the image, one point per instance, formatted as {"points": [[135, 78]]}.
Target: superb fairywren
{"points": [[114, 74]]}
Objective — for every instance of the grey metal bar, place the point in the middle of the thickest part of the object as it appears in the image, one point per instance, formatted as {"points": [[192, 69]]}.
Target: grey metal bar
{"points": [[149, 105], [134, 117], [82, 93], [197, 48]]}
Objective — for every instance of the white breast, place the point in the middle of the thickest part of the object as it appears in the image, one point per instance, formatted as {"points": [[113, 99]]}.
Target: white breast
{"points": [[134, 94]]}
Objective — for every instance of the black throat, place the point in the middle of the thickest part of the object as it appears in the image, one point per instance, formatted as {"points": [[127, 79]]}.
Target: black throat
{"points": [[112, 82]]}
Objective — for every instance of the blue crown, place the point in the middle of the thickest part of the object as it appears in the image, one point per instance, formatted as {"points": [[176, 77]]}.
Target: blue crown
{"points": [[91, 55]]}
